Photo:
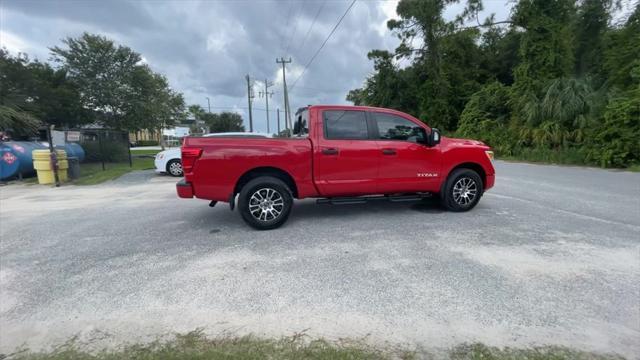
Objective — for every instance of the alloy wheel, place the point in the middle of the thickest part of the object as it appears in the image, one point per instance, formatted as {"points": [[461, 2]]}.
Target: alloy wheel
{"points": [[465, 191], [266, 204]]}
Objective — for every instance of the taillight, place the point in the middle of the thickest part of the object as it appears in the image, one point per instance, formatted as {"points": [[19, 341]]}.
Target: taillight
{"points": [[189, 157]]}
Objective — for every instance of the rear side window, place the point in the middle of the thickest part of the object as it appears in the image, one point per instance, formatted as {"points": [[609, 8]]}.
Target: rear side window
{"points": [[393, 127], [301, 126], [345, 125]]}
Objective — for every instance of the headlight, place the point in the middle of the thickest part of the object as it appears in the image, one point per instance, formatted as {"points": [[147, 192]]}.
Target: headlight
{"points": [[159, 156], [489, 155]]}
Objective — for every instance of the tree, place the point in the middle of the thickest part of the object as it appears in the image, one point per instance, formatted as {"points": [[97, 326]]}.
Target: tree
{"points": [[622, 52], [116, 85], [197, 111], [424, 19], [443, 74], [486, 117], [14, 100], [103, 71], [592, 19], [546, 48], [33, 93], [224, 122]]}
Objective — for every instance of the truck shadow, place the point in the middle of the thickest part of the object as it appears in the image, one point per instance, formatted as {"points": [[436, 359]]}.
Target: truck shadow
{"points": [[221, 221], [303, 210]]}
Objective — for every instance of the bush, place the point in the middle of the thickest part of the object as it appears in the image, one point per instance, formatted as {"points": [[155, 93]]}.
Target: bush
{"points": [[486, 117], [568, 156], [147, 143], [615, 141]]}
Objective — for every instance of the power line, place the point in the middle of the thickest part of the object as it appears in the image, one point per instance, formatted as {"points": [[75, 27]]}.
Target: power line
{"points": [[323, 44], [295, 26], [287, 22], [304, 40]]}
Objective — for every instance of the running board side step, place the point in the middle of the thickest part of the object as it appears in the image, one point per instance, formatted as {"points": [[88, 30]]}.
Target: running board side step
{"points": [[365, 199]]}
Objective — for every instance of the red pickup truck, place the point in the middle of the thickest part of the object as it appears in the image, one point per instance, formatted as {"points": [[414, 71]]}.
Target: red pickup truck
{"points": [[339, 154]]}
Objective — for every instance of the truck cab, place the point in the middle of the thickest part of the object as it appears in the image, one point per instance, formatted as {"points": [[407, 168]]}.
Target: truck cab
{"points": [[338, 154]]}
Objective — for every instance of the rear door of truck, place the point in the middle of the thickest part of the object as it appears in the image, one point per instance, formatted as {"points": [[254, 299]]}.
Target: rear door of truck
{"points": [[345, 156]]}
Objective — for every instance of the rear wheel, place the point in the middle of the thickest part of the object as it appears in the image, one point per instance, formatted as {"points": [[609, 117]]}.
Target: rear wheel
{"points": [[265, 202], [174, 167], [462, 190]]}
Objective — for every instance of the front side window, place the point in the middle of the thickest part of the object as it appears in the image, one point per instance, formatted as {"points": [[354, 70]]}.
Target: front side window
{"points": [[345, 125], [393, 127]]}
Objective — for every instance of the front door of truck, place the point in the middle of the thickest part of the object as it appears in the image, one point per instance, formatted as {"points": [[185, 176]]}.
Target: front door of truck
{"points": [[406, 164], [346, 159]]}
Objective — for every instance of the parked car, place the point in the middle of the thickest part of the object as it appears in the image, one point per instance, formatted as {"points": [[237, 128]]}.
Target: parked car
{"points": [[341, 155], [168, 161]]}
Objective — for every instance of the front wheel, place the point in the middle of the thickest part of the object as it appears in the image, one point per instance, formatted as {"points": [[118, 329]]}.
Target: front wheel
{"points": [[462, 190], [265, 202]]}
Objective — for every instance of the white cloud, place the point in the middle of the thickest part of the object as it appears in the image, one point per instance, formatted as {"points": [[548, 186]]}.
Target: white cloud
{"points": [[13, 43], [389, 10]]}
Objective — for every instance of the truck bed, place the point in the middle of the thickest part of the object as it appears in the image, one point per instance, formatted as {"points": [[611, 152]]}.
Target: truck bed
{"points": [[225, 160]]}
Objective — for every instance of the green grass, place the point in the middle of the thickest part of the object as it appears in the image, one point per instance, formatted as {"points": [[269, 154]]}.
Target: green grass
{"points": [[483, 352], [634, 168], [573, 157], [195, 345], [92, 173]]}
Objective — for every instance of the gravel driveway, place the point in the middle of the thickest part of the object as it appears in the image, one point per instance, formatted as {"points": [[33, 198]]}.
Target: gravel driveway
{"points": [[551, 255]]}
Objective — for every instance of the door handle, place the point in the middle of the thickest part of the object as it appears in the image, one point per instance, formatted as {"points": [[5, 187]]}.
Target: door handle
{"points": [[330, 151], [388, 151]]}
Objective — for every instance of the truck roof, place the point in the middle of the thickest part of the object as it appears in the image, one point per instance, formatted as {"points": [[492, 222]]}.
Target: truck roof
{"points": [[351, 107], [358, 107]]}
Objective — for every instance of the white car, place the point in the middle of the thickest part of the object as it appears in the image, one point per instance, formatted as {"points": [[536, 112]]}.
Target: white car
{"points": [[169, 161]]}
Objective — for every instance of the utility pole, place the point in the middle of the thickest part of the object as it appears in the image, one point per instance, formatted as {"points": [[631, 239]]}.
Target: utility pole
{"points": [[287, 112], [266, 94], [250, 96], [278, 113], [209, 104]]}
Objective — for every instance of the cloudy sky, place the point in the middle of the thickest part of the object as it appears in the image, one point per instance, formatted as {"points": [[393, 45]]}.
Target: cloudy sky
{"points": [[205, 48]]}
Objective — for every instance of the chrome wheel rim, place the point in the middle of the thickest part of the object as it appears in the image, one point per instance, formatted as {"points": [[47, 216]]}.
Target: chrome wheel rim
{"points": [[175, 168], [266, 204], [465, 191]]}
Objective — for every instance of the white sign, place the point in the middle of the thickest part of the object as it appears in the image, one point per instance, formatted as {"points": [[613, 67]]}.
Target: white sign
{"points": [[178, 131], [73, 136], [57, 137]]}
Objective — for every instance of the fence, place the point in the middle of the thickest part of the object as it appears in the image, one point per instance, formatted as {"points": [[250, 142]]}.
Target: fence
{"points": [[104, 146]]}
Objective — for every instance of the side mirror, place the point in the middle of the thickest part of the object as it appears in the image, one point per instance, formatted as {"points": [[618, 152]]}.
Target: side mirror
{"points": [[434, 137]]}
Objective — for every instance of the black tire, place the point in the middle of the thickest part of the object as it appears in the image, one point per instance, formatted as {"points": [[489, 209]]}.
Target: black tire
{"points": [[174, 168], [264, 187], [457, 192]]}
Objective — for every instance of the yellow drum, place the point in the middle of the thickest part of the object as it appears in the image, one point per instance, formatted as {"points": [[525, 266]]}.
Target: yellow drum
{"points": [[42, 165]]}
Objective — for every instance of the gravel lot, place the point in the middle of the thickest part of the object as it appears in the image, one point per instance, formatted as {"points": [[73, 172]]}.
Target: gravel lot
{"points": [[551, 255]]}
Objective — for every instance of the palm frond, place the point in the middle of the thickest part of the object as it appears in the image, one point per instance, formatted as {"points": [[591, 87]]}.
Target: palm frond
{"points": [[17, 120]]}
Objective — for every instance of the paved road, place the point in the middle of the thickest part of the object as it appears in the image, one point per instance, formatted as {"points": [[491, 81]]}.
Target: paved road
{"points": [[550, 256]]}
